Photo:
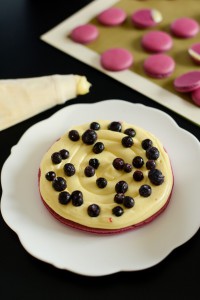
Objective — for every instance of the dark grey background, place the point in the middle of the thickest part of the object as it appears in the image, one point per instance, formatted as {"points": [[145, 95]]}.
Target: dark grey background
{"points": [[23, 54]]}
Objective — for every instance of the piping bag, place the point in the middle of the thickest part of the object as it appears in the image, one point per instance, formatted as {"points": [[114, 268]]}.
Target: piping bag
{"points": [[21, 99]]}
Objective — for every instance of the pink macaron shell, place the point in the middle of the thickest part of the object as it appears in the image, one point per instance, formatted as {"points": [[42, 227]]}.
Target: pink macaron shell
{"points": [[84, 34], [196, 96], [142, 18], [116, 59], [159, 65], [157, 41], [194, 52], [184, 27], [112, 16], [99, 230], [187, 82]]}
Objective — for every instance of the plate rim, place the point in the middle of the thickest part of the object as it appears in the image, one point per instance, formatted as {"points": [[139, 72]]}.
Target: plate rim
{"points": [[56, 115]]}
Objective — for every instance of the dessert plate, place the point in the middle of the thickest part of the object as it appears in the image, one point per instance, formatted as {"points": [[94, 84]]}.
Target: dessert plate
{"points": [[86, 253]]}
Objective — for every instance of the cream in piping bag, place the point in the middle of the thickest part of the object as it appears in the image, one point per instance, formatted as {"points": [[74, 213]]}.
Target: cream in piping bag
{"points": [[23, 98]]}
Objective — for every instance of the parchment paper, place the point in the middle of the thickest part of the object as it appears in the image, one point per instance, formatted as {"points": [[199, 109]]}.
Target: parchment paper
{"points": [[126, 35]]}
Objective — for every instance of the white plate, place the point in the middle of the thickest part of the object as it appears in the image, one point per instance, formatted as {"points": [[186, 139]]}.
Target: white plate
{"points": [[85, 253]]}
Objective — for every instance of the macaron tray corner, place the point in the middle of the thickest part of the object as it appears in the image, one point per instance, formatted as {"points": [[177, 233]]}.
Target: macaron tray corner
{"points": [[157, 41]]}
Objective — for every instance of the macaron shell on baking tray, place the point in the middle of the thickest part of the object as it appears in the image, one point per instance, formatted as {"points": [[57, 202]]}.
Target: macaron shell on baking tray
{"points": [[128, 36]]}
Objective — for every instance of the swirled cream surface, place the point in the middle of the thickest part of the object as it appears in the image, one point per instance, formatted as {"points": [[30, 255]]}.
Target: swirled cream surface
{"points": [[80, 155]]}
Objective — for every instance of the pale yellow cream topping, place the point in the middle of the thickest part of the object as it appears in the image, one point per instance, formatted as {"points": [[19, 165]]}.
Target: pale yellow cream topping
{"points": [[156, 16], [83, 85], [194, 54], [80, 155]]}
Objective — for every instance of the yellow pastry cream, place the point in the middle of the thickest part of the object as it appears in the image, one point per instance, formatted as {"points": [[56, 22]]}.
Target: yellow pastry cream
{"points": [[106, 175]]}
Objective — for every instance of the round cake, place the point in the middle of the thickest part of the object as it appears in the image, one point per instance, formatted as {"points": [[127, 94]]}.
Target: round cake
{"points": [[106, 177]]}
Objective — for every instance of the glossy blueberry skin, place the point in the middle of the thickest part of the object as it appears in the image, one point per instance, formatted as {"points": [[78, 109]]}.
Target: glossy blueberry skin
{"points": [[69, 169], [98, 147], [138, 162], [59, 184], [64, 153], [64, 197], [146, 144], [93, 210], [152, 153], [150, 164], [115, 126], [95, 126], [127, 141], [127, 168], [56, 158], [130, 131], [117, 211], [128, 202], [89, 171], [94, 162], [89, 137], [118, 163], [121, 187], [156, 177], [145, 190], [74, 135], [50, 176], [138, 175], [77, 198], [119, 198], [101, 182]]}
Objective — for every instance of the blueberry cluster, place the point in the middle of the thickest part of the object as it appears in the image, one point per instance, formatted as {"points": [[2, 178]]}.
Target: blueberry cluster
{"points": [[89, 137], [76, 198]]}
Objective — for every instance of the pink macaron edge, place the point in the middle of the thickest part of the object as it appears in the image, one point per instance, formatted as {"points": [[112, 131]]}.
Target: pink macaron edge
{"points": [[99, 231]]}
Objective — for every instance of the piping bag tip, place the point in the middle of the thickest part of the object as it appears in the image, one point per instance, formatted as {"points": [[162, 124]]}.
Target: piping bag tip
{"points": [[23, 98]]}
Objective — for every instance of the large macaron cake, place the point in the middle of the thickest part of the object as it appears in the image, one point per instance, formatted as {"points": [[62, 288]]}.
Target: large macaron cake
{"points": [[106, 177]]}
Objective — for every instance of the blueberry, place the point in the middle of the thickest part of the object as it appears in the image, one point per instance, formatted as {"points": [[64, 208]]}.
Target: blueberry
{"points": [[50, 176], [95, 126], [152, 153], [56, 158], [121, 187], [89, 137], [145, 190], [117, 211], [127, 168], [64, 153], [93, 210], [69, 169], [76, 194], [115, 126], [156, 177], [98, 147], [138, 175], [101, 182], [130, 131], [64, 197], [150, 164], [94, 162], [127, 141], [146, 144], [89, 171], [128, 202], [74, 135], [77, 198], [119, 198], [59, 184], [138, 162], [118, 163]]}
